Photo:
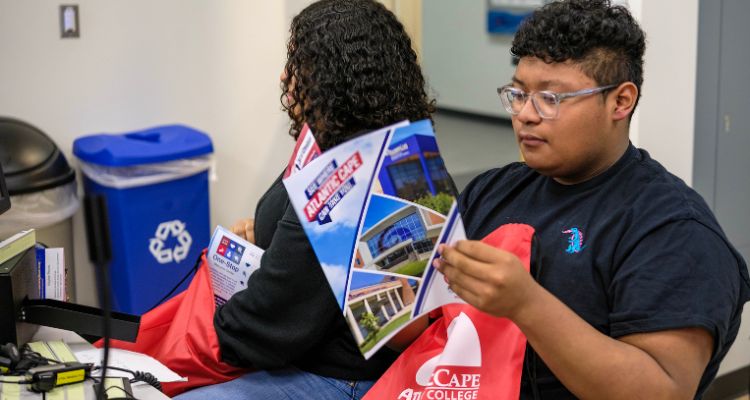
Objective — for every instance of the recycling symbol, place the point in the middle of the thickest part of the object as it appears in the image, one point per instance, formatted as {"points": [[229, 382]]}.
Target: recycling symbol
{"points": [[164, 231]]}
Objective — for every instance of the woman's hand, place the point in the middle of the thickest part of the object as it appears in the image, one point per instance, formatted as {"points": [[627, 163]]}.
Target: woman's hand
{"points": [[245, 228]]}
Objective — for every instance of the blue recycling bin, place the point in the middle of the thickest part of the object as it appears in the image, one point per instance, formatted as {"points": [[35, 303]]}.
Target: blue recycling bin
{"points": [[155, 183]]}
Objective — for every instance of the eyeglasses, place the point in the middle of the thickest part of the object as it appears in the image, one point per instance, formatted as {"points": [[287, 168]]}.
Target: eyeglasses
{"points": [[546, 103]]}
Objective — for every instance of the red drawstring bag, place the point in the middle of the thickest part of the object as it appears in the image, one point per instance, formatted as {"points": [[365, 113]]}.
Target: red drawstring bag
{"points": [[465, 354], [180, 334]]}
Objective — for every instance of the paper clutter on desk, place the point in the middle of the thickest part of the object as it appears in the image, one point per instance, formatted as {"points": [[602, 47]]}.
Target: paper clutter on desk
{"points": [[129, 360]]}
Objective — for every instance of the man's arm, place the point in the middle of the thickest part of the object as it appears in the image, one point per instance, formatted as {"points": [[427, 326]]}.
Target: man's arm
{"points": [[665, 364], [659, 365]]}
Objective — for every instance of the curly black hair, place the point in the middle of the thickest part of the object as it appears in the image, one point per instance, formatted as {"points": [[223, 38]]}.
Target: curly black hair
{"points": [[604, 40], [350, 67]]}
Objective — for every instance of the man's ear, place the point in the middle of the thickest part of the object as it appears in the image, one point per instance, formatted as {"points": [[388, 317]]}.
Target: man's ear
{"points": [[625, 97]]}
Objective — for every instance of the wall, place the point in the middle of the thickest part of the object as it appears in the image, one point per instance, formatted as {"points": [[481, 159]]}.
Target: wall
{"points": [[409, 12], [463, 63], [664, 121], [213, 65]]}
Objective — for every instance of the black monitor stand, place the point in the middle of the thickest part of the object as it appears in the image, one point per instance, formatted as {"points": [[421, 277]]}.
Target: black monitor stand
{"points": [[20, 311]]}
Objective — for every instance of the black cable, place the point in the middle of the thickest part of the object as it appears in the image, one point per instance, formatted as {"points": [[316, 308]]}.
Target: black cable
{"points": [[190, 272], [118, 388], [141, 376], [30, 359], [116, 369], [27, 353], [100, 253], [148, 378], [106, 307], [17, 382]]}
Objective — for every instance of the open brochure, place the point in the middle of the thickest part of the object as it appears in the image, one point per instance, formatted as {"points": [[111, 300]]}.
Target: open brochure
{"points": [[375, 208]]}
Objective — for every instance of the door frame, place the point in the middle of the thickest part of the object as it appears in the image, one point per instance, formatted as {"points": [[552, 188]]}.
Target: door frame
{"points": [[707, 100]]}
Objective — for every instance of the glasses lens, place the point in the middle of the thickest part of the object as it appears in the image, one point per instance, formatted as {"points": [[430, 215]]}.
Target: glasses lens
{"points": [[547, 104], [513, 99]]}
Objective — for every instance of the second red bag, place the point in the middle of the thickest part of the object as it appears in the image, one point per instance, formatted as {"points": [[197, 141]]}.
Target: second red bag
{"points": [[180, 334], [465, 354]]}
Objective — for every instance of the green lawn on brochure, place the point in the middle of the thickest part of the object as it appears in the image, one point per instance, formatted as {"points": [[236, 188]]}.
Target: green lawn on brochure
{"points": [[414, 268], [385, 331]]}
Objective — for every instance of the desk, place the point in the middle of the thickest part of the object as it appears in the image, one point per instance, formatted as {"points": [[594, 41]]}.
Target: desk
{"points": [[75, 342]]}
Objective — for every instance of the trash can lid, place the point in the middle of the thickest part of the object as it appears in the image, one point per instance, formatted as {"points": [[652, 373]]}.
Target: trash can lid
{"points": [[153, 145], [31, 160]]}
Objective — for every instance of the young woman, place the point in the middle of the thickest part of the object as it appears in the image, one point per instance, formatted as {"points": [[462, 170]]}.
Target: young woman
{"points": [[350, 68]]}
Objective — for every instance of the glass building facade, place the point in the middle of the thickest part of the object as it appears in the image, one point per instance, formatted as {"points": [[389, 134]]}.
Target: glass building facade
{"points": [[409, 179], [413, 169], [439, 174], [409, 227]]}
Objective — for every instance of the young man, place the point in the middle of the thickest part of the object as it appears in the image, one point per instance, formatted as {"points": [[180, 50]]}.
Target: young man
{"points": [[635, 291]]}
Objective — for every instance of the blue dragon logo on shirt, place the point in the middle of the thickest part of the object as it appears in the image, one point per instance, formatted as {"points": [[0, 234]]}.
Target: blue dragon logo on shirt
{"points": [[575, 241]]}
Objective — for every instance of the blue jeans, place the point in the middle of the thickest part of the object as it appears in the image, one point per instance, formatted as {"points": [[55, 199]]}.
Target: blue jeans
{"points": [[290, 383]]}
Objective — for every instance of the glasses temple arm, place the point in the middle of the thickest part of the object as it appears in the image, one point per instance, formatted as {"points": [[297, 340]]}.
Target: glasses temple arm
{"points": [[584, 92]]}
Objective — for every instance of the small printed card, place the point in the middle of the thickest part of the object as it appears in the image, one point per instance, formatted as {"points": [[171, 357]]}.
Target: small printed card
{"points": [[231, 260], [305, 150], [50, 265]]}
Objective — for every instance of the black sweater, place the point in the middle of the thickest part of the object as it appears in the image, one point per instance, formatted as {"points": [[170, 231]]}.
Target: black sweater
{"points": [[288, 315]]}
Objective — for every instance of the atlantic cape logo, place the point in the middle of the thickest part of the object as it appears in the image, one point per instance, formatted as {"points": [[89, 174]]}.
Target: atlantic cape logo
{"points": [[330, 187], [455, 373]]}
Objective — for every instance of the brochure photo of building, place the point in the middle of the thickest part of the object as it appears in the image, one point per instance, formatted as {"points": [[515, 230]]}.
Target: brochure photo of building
{"points": [[413, 170], [397, 236], [378, 305]]}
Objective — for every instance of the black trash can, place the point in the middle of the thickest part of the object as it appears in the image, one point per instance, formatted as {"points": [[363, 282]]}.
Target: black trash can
{"points": [[43, 190]]}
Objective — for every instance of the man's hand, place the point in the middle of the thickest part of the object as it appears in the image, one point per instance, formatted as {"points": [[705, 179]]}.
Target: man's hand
{"points": [[245, 228], [490, 279]]}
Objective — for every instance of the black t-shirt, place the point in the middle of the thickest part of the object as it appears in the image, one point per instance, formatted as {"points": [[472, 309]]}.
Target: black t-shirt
{"points": [[632, 250], [288, 315]]}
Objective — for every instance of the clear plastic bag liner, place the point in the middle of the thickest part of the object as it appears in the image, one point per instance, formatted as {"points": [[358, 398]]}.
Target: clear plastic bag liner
{"points": [[40, 209], [148, 174]]}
